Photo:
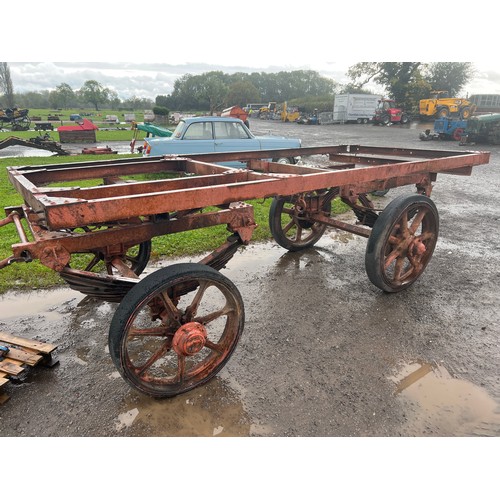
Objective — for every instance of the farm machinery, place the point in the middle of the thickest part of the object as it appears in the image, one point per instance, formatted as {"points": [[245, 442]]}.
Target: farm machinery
{"points": [[441, 105], [388, 112], [15, 119], [176, 328]]}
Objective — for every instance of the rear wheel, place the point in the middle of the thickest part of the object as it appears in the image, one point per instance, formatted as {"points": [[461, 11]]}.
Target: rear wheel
{"points": [[289, 223], [465, 113], [402, 242]]}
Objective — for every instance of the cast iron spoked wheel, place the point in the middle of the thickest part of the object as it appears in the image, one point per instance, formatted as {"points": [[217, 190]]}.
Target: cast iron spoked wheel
{"points": [[136, 258], [176, 329], [402, 242], [289, 225]]}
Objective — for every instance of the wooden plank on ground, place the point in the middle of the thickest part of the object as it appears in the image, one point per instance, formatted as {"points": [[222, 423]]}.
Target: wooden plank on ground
{"points": [[40, 347], [11, 367], [24, 356]]}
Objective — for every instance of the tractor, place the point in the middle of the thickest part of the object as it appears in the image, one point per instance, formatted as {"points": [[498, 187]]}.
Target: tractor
{"points": [[387, 112]]}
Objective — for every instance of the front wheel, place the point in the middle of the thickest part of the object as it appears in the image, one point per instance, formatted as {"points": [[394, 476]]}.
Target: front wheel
{"points": [[402, 242], [443, 113], [176, 329]]}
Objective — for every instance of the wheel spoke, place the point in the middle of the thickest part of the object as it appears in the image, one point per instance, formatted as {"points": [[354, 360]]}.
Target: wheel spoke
{"points": [[417, 221], [391, 258], [298, 235], [214, 347], [181, 369], [289, 226], [171, 309], [398, 267], [192, 309], [140, 370], [204, 320]]}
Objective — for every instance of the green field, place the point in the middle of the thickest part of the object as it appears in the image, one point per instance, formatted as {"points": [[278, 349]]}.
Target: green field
{"points": [[33, 275], [107, 131]]}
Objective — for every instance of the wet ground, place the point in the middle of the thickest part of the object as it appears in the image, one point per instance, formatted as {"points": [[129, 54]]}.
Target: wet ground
{"points": [[324, 352]]}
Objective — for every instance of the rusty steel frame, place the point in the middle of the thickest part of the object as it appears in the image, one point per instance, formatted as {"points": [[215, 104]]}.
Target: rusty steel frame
{"points": [[126, 212]]}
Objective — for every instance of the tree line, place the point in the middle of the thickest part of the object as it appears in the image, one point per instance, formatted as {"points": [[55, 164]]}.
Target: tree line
{"points": [[406, 82]]}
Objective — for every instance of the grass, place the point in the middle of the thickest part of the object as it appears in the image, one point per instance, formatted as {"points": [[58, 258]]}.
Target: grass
{"points": [[107, 131], [34, 275]]}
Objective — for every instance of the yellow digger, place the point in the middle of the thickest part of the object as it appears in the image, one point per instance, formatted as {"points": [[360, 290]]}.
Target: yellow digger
{"points": [[440, 105], [289, 114]]}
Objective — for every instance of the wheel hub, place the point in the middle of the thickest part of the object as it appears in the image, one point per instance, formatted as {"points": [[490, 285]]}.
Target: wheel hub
{"points": [[416, 247], [189, 339]]}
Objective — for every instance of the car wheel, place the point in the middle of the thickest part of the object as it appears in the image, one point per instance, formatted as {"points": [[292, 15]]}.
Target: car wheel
{"points": [[289, 161]]}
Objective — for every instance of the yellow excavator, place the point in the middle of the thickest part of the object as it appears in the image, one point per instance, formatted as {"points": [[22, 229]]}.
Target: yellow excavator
{"points": [[440, 105], [289, 114]]}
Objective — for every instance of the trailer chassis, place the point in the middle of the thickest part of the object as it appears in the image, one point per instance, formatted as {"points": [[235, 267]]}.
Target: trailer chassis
{"points": [[176, 328]]}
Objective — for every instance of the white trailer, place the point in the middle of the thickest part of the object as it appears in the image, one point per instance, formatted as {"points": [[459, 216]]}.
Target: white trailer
{"points": [[358, 108]]}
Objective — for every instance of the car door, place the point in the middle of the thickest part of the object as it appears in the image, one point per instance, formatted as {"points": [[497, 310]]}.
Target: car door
{"points": [[232, 136], [197, 138]]}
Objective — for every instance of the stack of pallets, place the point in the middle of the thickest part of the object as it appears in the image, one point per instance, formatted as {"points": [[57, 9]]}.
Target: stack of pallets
{"points": [[17, 354]]}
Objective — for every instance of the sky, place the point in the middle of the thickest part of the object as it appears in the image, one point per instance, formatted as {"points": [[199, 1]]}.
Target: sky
{"points": [[151, 79], [153, 44]]}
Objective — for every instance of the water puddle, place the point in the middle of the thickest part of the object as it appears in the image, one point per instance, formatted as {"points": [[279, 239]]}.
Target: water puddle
{"points": [[213, 410], [443, 405], [48, 304]]}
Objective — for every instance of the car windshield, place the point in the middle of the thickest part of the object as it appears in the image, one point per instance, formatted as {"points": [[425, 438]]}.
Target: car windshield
{"points": [[178, 130]]}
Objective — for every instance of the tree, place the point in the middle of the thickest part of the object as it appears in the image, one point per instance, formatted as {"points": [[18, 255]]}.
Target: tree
{"points": [[395, 77], [94, 93], [63, 96], [409, 82], [6, 85], [213, 89], [241, 92], [450, 76]]}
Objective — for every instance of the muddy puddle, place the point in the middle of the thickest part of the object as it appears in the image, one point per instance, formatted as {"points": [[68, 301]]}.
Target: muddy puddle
{"points": [[193, 414], [447, 405]]}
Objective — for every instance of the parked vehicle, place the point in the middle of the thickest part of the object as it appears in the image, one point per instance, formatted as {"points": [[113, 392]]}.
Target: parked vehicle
{"points": [[440, 105], [14, 118], [236, 112], [388, 112], [445, 128], [268, 112], [209, 134], [358, 108], [483, 129]]}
